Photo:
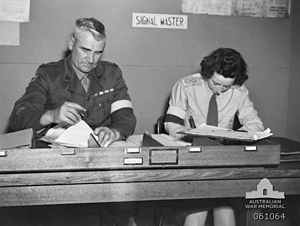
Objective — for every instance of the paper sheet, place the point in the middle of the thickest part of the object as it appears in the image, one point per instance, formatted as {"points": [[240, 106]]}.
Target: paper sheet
{"points": [[14, 10], [10, 33], [74, 136], [212, 131]]}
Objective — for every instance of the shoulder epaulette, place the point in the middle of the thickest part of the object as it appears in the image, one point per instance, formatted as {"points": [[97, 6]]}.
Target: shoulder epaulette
{"points": [[192, 80], [107, 63], [51, 64]]}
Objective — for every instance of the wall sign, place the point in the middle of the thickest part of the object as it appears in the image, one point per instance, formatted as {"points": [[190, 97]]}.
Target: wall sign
{"points": [[169, 21]]}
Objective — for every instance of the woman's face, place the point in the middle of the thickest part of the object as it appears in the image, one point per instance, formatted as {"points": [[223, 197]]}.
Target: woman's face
{"points": [[219, 84]]}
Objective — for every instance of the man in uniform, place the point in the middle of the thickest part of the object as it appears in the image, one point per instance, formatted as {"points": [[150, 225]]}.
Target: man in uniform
{"points": [[80, 86]]}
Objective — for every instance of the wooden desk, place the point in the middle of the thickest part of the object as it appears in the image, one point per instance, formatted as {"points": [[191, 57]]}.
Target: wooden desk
{"points": [[139, 185], [118, 185]]}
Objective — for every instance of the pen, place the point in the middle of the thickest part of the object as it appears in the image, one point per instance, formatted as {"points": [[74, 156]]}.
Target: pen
{"points": [[192, 122], [81, 115]]}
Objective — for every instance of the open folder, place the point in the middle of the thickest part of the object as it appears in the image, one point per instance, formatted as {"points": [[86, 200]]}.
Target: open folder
{"points": [[217, 132]]}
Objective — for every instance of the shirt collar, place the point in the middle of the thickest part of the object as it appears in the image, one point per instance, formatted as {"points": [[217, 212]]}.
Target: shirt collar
{"points": [[70, 69], [79, 74]]}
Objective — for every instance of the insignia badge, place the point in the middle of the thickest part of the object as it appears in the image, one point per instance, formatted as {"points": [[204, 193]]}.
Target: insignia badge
{"points": [[35, 76], [191, 81]]}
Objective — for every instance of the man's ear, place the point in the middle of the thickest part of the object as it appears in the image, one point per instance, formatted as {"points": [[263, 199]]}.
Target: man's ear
{"points": [[71, 41]]}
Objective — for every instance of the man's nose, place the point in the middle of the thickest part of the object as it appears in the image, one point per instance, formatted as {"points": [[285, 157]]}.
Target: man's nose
{"points": [[91, 58]]}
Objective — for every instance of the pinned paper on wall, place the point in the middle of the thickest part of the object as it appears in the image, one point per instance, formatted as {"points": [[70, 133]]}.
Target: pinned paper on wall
{"points": [[216, 7], [14, 10], [10, 33], [254, 8]]}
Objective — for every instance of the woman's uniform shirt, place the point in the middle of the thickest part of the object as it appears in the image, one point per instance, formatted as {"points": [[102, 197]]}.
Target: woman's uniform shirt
{"points": [[191, 96]]}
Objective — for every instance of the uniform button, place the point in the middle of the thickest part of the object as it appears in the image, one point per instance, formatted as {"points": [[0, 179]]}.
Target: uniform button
{"points": [[107, 100]]}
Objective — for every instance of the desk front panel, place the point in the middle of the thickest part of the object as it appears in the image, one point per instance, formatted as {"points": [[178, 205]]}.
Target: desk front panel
{"points": [[44, 188], [68, 159]]}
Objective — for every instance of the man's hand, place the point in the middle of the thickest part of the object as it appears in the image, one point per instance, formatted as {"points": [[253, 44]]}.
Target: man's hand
{"points": [[106, 136], [68, 113]]}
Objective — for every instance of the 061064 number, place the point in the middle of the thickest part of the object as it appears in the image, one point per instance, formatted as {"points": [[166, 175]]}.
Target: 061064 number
{"points": [[269, 216]]}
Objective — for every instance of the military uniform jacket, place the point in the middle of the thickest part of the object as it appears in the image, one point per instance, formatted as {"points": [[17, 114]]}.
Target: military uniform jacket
{"points": [[107, 100]]}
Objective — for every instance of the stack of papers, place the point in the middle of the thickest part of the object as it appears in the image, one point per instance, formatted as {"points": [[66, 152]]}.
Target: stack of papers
{"points": [[164, 139], [217, 132]]}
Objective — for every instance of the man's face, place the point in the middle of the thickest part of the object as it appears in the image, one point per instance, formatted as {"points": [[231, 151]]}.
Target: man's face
{"points": [[219, 84], [86, 51]]}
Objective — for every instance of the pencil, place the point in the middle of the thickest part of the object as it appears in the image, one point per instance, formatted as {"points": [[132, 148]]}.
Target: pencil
{"points": [[192, 122]]}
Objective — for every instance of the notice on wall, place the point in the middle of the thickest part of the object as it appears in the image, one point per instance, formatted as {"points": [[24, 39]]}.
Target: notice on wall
{"points": [[169, 21], [10, 33], [264, 8], [14, 10], [216, 7], [255, 8]]}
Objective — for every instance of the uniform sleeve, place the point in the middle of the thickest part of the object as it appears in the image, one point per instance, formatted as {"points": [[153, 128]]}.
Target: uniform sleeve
{"points": [[174, 121], [30, 107], [248, 115], [123, 118]]}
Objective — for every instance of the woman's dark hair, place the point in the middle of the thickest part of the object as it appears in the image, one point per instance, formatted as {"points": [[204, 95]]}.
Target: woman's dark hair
{"points": [[226, 62]]}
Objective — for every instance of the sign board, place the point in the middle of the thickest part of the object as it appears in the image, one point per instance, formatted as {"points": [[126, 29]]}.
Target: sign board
{"points": [[169, 21]]}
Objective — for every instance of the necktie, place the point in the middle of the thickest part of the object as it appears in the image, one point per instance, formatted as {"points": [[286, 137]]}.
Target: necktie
{"points": [[85, 82], [212, 114]]}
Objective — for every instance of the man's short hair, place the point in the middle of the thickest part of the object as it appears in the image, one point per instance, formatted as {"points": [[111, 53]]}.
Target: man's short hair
{"points": [[227, 62], [91, 24]]}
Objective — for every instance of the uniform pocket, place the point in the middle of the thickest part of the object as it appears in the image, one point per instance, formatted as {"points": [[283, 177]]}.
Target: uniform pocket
{"points": [[104, 101], [99, 112], [58, 99]]}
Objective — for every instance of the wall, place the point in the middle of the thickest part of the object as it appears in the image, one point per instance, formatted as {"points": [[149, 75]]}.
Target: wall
{"points": [[153, 59], [294, 91]]}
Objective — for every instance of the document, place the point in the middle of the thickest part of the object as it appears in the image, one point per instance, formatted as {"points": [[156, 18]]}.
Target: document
{"points": [[18, 139], [164, 139], [217, 132], [255, 8], [169, 141], [77, 135], [131, 141], [15, 10], [10, 33]]}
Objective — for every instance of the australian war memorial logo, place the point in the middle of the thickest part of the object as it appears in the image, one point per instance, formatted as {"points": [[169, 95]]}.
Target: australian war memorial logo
{"points": [[265, 203]]}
